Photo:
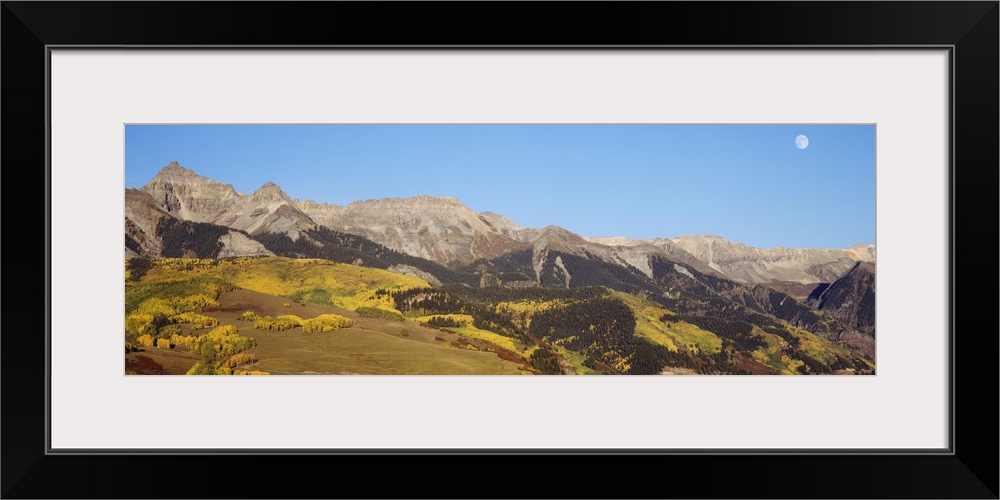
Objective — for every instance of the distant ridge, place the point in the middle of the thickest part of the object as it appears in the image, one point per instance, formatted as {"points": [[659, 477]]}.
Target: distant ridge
{"points": [[443, 230]]}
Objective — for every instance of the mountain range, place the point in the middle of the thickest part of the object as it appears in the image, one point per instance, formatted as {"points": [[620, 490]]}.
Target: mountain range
{"points": [[182, 214]]}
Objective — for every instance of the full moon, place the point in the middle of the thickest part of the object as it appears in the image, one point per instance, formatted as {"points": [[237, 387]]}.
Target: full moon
{"points": [[801, 142]]}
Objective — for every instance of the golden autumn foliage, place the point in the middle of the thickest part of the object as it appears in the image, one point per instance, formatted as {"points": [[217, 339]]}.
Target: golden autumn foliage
{"points": [[281, 323], [158, 308], [221, 343], [520, 312], [201, 368], [218, 348], [248, 316], [670, 334], [139, 324], [186, 341], [239, 359], [313, 280], [153, 314], [326, 323], [146, 340], [290, 317], [379, 312], [171, 292], [196, 302], [163, 343], [250, 372], [169, 330], [180, 264], [195, 319]]}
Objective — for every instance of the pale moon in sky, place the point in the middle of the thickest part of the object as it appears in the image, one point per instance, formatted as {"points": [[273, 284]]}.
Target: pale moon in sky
{"points": [[802, 142]]}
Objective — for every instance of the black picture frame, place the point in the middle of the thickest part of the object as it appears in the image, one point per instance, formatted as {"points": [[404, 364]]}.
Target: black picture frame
{"points": [[969, 470]]}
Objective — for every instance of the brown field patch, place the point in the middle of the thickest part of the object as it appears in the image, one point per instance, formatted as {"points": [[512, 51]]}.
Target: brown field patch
{"points": [[372, 346], [142, 365], [175, 361]]}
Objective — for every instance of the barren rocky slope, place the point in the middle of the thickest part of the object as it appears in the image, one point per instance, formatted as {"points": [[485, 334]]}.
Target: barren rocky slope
{"points": [[439, 229], [146, 225], [449, 233], [181, 193], [445, 231], [756, 265], [850, 299]]}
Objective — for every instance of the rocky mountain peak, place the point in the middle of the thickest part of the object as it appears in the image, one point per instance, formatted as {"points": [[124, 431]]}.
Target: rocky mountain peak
{"points": [[271, 192], [176, 177], [431, 227], [188, 196], [175, 169], [558, 232], [864, 252], [779, 264]]}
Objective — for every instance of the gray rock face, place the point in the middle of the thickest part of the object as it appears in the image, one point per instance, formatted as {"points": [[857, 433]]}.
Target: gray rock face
{"points": [[508, 228], [181, 193], [439, 229], [851, 298], [416, 273], [637, 252], [236, 244], [447, 232], [188, 196], [142, 215], [760, 266]]}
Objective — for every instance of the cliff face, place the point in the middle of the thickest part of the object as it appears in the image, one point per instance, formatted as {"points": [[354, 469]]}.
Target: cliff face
{"points": [[757, 265], [439, 229], [443, 230], [851, 298], [141, 217], [185, 195]]}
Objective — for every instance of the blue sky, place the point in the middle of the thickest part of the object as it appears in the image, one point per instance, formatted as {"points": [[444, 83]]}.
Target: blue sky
{"points": [[747, 183]]}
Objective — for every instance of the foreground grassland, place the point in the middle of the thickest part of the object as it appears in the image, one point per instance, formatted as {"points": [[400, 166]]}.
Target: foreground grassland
{"points": [[275, 315], [224, 291]]}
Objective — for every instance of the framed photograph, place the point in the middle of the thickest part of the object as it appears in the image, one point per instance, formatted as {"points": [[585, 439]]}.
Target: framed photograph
{"points": [[895, 112]]}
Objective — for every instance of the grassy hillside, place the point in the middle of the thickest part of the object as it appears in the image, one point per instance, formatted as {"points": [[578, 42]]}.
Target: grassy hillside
{"points": [[177, 301], [307, 280], [369, 346], [315, 316], [672, 334]]}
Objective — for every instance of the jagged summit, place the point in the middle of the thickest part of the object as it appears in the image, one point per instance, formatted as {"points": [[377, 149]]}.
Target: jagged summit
{"points": [[178, 173], [436, 228], [778, 264], [272, 192], [446, 231], [175, 168], [183, 194]]}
